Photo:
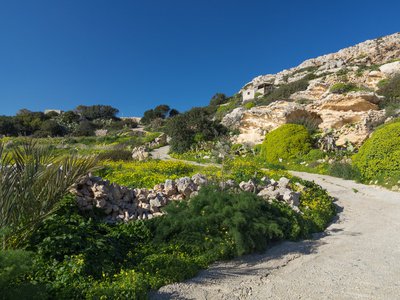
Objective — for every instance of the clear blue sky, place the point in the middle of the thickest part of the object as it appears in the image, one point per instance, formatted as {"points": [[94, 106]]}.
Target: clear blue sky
{"points": [[138, 54]]}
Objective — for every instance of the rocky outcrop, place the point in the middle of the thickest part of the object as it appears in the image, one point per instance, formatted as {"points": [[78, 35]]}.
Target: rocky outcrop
{"points": [[257, 121], [356, 102], [390, 69], [371, 52], [119, 203], [233, 119], [351, 115]]}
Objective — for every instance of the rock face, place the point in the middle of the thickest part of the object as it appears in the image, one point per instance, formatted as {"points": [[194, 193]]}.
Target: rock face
{"points": [[352, 115], [119, 203]]}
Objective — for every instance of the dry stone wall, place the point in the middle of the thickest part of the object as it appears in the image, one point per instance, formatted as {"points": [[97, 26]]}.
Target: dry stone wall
{"points": [[119, 203]]}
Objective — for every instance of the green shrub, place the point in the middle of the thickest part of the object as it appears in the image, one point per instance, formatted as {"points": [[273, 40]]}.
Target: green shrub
{"points": [[314, 154], [342, 88], [82, 258], [310, 121], [127, 284], [184, 128], [32, 182], [379, 157], [224, 224], [15, 265], [115, 155], [316, 205], [284, 91], [145, 173], [249, 105], [391, 90], [344, 170], [225, 109], [286, 142]]}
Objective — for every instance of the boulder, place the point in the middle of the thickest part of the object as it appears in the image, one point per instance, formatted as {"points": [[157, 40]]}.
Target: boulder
{"points": [[199, 179], [248, 186], [186, 186], [390, 69], [140, 153], [283, 182], [170, 187]]}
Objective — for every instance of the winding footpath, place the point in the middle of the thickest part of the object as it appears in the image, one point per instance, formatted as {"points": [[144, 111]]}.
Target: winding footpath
{"points": [[357, 257]]}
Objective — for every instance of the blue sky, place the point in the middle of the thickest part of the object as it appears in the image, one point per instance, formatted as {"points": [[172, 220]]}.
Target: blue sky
{"points": [[135, 55]]}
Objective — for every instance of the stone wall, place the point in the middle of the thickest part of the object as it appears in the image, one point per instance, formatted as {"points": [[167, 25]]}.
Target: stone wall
{"points": [[119, 203]]}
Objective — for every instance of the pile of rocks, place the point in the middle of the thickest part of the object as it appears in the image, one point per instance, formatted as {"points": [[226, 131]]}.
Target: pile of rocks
{"points": [[270, 190], [120, 203]]}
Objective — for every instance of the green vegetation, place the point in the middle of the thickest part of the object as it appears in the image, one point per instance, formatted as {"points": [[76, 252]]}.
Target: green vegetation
{"points": [[344, 170], [284, 91], [218, 99], [391, 90], [225, 108], [83, 121], [249, 105], [32, 181], [379, 157], [310, 121], [78, 257], [342, 88], [73, 255], [160, 113], [96, 112], [191, 127], [147, 173], [286, 142], [15, 266]]}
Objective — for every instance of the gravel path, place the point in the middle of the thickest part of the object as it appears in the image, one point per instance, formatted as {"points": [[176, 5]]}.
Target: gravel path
{"points": [[161, 153], [357, 257]]}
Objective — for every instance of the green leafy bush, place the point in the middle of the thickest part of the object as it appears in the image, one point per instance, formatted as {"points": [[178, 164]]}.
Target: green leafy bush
{"points": [[286, 142], [391, 90], [78, 257], [191, 127], [344, 170], [127, 284], [249, 105], [342, 88], [32, 182], [15, 265], [379, 157], [310, 121], [317, 206], [115, 155], [284, 91]]}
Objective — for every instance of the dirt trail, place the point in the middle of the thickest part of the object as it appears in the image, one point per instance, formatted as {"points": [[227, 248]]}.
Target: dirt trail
{"points": [[357, 257]]}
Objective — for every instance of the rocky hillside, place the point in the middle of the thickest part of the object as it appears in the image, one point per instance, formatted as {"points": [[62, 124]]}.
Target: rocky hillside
{"points": [[337, 92]]}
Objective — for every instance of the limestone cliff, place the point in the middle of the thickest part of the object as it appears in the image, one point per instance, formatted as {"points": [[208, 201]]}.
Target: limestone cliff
{"points": [[340, 93]]}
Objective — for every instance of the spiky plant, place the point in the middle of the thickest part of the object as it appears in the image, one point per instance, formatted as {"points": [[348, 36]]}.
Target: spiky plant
{"points": [[33, 180]]}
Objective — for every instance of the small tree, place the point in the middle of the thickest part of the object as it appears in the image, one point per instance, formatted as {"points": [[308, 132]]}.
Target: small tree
{"points": [[218, 99], [85, 128], [51, 128], [95, 112], [32, 182], [191, 127]]}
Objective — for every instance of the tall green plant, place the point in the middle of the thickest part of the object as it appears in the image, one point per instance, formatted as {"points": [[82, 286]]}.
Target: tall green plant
{"points": [[32, 182]]}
